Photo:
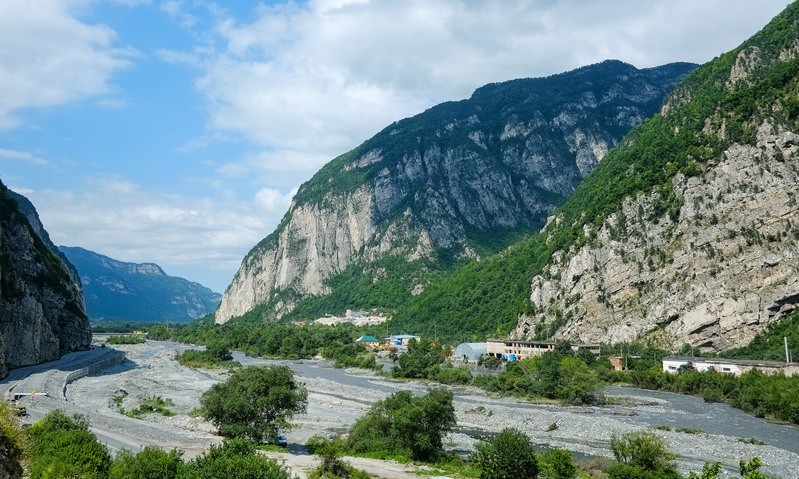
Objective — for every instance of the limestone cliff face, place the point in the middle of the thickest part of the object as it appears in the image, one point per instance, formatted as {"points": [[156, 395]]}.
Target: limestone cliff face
{"points": [[713, 279], [457, 178], [709, 256], [41, 306]]}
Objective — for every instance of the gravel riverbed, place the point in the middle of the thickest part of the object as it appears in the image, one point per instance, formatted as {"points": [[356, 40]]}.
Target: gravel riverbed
{"points": [[338, 398]]}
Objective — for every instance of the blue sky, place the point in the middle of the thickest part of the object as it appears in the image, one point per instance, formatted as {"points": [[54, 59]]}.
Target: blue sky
{"points": [[176, 132]]}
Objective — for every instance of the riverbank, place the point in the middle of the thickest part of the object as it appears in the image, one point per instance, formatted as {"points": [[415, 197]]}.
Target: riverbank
{"points": [[337, 398]]}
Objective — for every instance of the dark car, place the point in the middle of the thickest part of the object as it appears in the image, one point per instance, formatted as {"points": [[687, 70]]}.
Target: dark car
{"points": [[281, 440]]}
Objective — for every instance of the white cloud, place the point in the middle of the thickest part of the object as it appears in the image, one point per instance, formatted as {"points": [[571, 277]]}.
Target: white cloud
{"points": [[314, 80], [273, 201], [24, 156], [48, 57], [125, 221]]}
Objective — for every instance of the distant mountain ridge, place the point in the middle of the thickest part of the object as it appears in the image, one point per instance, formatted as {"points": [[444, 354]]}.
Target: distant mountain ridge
{"points": [[42, 314], [118, 290], [457, 182]]}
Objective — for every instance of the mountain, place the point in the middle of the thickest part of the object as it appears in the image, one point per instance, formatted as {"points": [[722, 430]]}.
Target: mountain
{"points": [[115, 290], [41, 305], [457, 182], [686, 233]]}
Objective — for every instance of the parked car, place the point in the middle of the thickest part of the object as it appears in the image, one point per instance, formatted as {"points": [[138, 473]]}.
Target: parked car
{"points": [[281, 440]]}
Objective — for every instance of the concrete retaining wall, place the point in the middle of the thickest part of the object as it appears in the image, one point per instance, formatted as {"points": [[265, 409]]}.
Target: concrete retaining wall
{"points": [[118, 357]]}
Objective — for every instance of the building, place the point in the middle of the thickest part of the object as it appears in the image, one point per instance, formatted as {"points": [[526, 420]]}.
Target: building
{"points": [[370, 342], [620, 363], [469, 351], [672, 364], [400, 339], [513, 349]]}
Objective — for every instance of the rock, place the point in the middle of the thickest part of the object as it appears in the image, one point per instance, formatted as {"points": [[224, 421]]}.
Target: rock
{"points": [[449, 182], [714, 278], [42, 315]]}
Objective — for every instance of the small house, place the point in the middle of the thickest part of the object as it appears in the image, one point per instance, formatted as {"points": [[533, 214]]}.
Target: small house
{"points": [[370, 342]]}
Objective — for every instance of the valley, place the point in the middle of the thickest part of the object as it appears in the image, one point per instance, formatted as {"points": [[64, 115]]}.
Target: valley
{"points": [[337, 397]]}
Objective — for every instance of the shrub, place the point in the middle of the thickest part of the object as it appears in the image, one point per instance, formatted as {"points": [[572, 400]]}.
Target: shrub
{"points": [[509, 455], [642, 450], [234, 459], [63, 447], [150, 463], [13, 441]]}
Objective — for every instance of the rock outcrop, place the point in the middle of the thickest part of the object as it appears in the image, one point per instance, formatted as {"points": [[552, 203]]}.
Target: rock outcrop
{"points": [[714, 278], [118, 290], [41, 306], [706, 254], [455, 181]]}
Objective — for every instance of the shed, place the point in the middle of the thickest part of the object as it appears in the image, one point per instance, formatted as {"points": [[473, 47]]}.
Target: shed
{"points": [[367, 339], [469, 351]]}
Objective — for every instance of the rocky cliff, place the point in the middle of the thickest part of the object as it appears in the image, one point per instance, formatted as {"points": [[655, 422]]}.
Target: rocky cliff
{"points": [[118, 290], [455, 182], [41, 306], [702, 247]]}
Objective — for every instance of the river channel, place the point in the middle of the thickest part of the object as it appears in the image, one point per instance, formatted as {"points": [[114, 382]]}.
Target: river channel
{"points": [[638, 407]]}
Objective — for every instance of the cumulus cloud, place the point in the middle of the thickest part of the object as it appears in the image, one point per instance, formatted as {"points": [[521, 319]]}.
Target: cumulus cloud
{"points": [[320, 77], [48, 57]]}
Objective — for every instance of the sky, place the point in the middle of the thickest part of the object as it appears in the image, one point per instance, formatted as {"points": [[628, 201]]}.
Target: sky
{"points": [[177, 131]]}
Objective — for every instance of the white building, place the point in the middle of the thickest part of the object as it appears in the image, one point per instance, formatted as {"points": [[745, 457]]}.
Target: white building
{"points": [[672, 364]]}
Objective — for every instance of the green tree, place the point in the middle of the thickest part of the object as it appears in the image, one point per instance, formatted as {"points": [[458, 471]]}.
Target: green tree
{"points": [[405, 425], [509, 455], [63, 447], [255, 402], [234, 459], [421, 361], [149, 463]]}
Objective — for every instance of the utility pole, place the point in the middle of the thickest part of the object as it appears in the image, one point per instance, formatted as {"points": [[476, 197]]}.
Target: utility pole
{"points": [[787, 351]]}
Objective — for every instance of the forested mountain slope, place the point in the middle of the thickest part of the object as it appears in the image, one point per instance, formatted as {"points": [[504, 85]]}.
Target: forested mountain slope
{"points": [[457, 182], [685, 233]]}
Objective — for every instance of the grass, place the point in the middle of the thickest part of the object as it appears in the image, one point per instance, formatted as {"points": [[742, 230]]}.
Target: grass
{"points": [[690, 430], [126, 339], [752, 440], [152, 405]]}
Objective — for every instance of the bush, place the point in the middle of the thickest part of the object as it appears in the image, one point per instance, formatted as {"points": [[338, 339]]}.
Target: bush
{"points": [[234, 459], [13, 442], [557, 463], [126, 339], [641, 451], [331, 464], [150, 463], [509, 455]]}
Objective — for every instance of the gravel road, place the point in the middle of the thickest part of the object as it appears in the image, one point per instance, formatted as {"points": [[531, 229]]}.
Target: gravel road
{"points": [[337, 398]]}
